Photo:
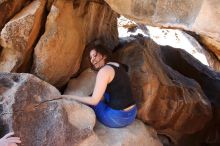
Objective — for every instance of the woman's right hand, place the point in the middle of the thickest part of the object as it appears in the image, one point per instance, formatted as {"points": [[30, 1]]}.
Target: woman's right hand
{"points": [[8, 140]]}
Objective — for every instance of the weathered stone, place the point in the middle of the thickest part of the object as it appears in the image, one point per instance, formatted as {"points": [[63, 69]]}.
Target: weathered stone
{"points": [[170, 37], [18, 37], [158, 13], [202, 17], [202, 54], [101, 23], [135, 134], [79, 115], [32, 110], [82, 117], [172, 103], [212, 44], [209, 82], [70, 26], [83, 85], [58, 53], [8, 8]]}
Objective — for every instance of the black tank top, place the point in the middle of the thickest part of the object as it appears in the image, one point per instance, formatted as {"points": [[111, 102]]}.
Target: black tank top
{"points": [[119, 89]]}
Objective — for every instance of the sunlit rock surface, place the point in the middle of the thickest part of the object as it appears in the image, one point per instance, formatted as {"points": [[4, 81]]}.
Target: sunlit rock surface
{"points": [[168, 100], [30, 107], [69, 27], [83, 85], [172, 37], [200, 16], [176, 94], [8, 8], [135, 134], [18, 37]]}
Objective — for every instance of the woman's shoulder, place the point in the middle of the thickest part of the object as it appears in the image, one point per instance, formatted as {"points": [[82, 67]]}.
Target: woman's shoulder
{"points": [[106, 72], [119, 65], [106, 69], [116, 64]]}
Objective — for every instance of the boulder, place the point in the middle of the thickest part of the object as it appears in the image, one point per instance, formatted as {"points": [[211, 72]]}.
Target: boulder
{"points": [[168, 100], [18, 37], [201, 19], [58, 53], [32, 109], [135, 134], [8, 8], [83, 85], [69, 27]]}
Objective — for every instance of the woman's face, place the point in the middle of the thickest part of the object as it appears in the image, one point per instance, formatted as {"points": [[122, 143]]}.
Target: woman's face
{"points": [[97, 60]]}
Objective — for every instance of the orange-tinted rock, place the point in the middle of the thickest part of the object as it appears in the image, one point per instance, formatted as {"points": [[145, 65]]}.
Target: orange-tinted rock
{"points": [[211, 44], [101, 23], [18, 37], [203, 17], [83, 85], [172, 103], [8, 8], [31, 109], [135, 134], [70, 26], [58, 53]]}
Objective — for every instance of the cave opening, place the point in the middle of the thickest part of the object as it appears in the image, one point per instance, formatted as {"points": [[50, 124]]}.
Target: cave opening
{"points": [[174, 45], [192, 68]]}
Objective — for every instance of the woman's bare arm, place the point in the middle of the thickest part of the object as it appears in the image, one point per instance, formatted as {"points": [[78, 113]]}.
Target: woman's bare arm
{"points": [[103, 77]]}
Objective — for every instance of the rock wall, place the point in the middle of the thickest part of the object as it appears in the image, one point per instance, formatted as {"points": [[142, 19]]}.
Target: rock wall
{"points": [[200, 16], [174, 92], [18, 37], [8, 8], [53, 51]]}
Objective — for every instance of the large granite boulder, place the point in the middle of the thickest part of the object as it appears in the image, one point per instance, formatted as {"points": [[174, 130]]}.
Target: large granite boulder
{"points": [[83, 85], [70, 26], [58, 53], [135, 134], [8, 8], [18, 37], [169, 101], [200, 16], [30, 107]]}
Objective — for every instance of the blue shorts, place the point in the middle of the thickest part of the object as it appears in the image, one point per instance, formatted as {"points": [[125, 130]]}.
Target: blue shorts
{"points": [[111, 117]]}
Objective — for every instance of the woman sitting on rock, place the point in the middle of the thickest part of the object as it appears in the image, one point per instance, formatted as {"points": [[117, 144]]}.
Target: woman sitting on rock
{"points": [[117, 108]]}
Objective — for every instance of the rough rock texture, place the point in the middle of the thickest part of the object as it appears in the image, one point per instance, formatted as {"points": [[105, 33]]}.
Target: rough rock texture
{"points": [[19, 35], [70, 26], [83, 85], [79, 115], [58, 53], [202, 54], [135, 134], [210, 84], [203, 17], [187, 41], [8, 8], [212, 44], [101, 23], [30, 109], [172, 103]]}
